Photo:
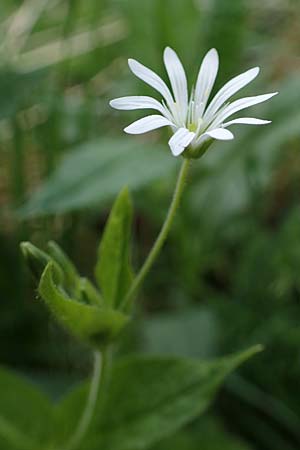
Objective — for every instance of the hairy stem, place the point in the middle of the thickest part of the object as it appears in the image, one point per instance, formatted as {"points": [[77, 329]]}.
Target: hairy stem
{"points": [[162, 235], [101, 363]]}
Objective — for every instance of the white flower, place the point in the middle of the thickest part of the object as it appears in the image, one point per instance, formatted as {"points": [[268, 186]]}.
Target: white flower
{"points": [[194, 122]]}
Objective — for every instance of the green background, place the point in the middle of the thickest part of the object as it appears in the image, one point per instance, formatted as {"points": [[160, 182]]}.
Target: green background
{"points": [[229, 274]]}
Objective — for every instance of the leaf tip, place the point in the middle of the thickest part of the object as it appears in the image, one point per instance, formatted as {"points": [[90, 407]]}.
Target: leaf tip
{"points": [[247, 354], [125, 194]]}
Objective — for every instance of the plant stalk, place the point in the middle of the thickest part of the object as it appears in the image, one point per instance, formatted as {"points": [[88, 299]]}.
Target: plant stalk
{"points": [[99, 378], [162, 235]]}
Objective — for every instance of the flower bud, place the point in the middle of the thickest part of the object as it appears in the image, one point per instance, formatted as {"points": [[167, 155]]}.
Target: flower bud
{"points": [[37, 260]]}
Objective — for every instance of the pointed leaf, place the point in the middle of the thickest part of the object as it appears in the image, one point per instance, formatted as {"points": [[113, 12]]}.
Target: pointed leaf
{"points": [[88, 293], [71, 276], [113, 272], [208, 434], [150, 398]]}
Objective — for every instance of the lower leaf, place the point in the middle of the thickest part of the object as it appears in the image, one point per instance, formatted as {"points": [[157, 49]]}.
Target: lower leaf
{"points": [[150, 398]]}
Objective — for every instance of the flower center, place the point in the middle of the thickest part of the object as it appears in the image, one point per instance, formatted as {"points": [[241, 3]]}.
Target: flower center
{"points": [[195, 127], [192, 127]]}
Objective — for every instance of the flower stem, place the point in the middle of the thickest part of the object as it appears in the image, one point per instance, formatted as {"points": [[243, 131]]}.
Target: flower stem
{"points": [[162, 235], [101, 363]]}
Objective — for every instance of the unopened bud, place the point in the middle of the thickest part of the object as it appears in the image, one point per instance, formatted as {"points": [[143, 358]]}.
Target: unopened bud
{"points": [[37, 260]]}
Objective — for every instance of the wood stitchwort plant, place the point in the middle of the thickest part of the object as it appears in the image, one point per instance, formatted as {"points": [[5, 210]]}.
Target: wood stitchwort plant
{"points": [[132, 402]]}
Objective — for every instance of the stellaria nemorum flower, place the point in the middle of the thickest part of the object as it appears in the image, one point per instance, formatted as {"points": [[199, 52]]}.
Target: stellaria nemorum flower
{"points": [[195, 121]]}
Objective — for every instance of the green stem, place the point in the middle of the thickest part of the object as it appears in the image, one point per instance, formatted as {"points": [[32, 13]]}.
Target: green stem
{"points": [[162, 235], [101, 364]]}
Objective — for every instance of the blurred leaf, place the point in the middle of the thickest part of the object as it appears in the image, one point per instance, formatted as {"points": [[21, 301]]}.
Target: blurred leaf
{"points": [[69, 411], [222, 191], [113, 271], [185, 12], [17, 90], [96, 325], [232, 172], [176, 391], [147, 41], [26, 416], [265, 145], [188, 332], [225, 29], [150, 398], [207, 434], [96, 171], [74, 46]]}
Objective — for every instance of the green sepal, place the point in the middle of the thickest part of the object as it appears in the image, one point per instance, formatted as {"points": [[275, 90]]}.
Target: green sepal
{"points": [[98, 326], [196, 153], [113, 272]]}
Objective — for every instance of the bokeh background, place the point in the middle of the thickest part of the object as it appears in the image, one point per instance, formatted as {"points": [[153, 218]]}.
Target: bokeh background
{"points": [[229, 276]]}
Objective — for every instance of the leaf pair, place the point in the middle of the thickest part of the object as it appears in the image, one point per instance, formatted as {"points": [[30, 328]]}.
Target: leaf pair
{"points": [[73, 300], [148, 399], [95, 324]]}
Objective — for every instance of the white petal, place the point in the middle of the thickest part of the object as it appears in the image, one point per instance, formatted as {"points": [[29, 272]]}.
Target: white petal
{"points": [[220, 133], [151, 78], [247, 121], [178, 81], [148, 123], [180, 140], [206, 78], [137, 102], [240, 104], [229, 89]]}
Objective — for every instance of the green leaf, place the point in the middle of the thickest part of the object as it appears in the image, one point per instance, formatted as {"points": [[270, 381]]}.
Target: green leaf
{"points": [[88, 293], [96, 171], [26, 415], [71, 276], [65, 272], [149, 398], [206, 434], [225, 28], [68, 412], [113, 271], [95, 325]]}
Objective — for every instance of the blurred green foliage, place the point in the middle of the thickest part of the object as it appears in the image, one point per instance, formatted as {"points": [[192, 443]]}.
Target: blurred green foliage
{"points": [[178, 389], [229, 274]]}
